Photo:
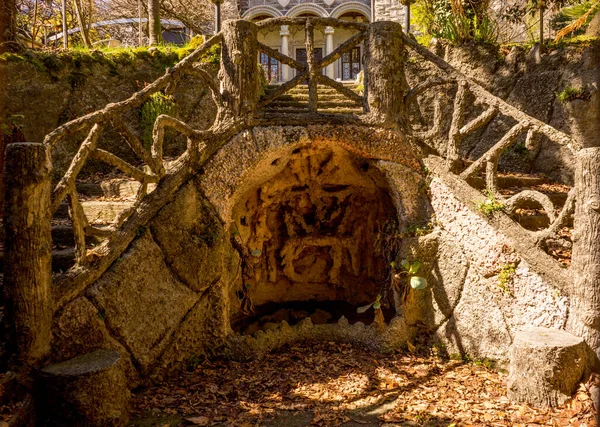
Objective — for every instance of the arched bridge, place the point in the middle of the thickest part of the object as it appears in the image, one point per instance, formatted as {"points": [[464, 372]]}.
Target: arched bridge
{"points": [[387, 104]]}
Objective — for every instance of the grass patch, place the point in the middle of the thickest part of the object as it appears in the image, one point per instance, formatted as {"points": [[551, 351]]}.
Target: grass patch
{"points": [[489, 205], [506, 277], [571, 93]]}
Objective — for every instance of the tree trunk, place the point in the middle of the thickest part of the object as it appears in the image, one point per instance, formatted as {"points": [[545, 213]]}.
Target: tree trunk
{"points": [[8, 29], [542, 8], [82, 27], [64, 24], [239, 73], [154, 27], [584, 315], [385, 85], [28, 252]]}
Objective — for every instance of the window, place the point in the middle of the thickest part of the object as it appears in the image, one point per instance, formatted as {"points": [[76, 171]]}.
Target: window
{"points": [[351, 64], [270, 67]]}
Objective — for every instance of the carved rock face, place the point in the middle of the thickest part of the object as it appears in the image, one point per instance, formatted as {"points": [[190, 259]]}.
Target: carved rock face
{"points": [[310, 232]]}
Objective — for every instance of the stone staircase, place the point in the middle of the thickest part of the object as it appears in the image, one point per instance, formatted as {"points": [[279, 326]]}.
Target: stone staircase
{"points": [[101, 202], [295, 101]]}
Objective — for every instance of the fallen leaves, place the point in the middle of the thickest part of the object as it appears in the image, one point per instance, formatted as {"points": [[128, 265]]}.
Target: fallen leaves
{"points": [[338, 381]]}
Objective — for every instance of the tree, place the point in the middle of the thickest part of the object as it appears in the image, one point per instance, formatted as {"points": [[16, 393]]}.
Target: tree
{"points": [[154, 27], [8, 28]]}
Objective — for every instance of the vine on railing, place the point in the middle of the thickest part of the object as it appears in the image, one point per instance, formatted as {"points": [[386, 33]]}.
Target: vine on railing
{"points": [[492, 107]]}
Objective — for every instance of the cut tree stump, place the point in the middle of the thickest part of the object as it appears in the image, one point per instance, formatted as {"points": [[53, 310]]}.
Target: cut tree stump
{"points": [[88, 390], [545, 366]]}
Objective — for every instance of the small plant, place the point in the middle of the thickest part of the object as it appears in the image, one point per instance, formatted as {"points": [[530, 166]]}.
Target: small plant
{"points": [[570, 93], [379, 320], [490, 204], [158, 104], [411, 269], [418, 230], [506, 277], [375, 304]]}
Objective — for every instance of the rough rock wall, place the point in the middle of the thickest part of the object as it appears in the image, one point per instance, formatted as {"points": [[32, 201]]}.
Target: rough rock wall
{"points": [[42, 97], [170, 297], [484, 288], [164, 301], [531, 84]]}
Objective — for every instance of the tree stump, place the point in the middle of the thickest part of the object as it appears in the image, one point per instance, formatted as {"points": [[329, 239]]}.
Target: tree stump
{"points": [[545, 366], [88, 390]]}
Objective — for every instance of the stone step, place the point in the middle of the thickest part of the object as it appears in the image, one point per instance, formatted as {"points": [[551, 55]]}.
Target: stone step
{"points": [[349, 84], [63, 235], [62, 259], [535, 222], [97, 211], [275, 105], [321, 90], [126, 188], [104, 212], [507, 181], [304, 97]]}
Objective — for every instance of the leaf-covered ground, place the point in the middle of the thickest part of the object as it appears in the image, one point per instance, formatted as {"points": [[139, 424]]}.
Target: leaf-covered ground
{"points": [[330, 384]]}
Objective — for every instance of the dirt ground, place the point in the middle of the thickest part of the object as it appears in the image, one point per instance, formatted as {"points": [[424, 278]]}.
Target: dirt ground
{"points": [[331, 384]]}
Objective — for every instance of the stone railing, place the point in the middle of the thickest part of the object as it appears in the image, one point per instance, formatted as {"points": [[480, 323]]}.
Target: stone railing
{"points": [[492, 107]]}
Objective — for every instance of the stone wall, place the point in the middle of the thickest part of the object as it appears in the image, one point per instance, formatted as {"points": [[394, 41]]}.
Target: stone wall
{"points": [[165, 299], [171, 297], [531, 83], [42, 92], [477, 309]]}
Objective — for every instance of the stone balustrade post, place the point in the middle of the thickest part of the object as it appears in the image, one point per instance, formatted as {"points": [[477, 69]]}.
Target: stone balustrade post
{"points": [[239, 72], [28, 253], [385, 83]]}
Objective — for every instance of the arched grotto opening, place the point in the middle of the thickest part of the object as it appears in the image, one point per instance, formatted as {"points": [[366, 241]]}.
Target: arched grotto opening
{"points": [[310, 238]]}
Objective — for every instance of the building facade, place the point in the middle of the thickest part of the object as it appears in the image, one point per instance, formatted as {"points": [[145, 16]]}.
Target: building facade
{"points": [[290, 41]]}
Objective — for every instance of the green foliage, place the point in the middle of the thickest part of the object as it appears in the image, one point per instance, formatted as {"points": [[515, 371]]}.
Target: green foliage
{"points": [[10, 123], [418, 230], [506, 277], [570, 93], [411, 269], [489, 205], [573, 20], [158, 104], [455, 21]]}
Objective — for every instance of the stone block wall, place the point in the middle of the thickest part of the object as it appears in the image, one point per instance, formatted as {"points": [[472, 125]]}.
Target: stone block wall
{"points": [[163, 302]]}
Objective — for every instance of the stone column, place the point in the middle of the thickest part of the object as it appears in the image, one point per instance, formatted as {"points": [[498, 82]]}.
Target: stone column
{"points": [[329, 70], [239, 72], [385, 83], [285, 33]]}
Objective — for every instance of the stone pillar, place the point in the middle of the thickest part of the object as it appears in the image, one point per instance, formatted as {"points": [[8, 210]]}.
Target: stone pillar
{"points": [[285, 33], [584, 312], [239, 72], [329, 70], [385, 83], [28, 252]]}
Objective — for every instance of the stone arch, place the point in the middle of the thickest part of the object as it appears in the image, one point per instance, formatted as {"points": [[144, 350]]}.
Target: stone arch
{"points": [[352, 6], [308, 205], [255, 11], [307, 8], [254, 156]]}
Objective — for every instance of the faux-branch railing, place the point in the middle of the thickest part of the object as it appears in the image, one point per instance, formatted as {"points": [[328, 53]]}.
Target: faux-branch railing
{"points": [[493, 107], [237, 100], [236, 96]]}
